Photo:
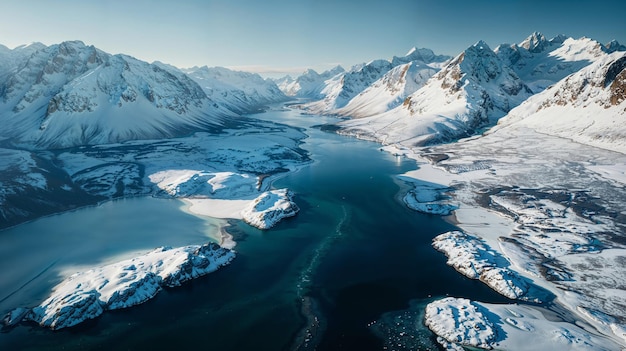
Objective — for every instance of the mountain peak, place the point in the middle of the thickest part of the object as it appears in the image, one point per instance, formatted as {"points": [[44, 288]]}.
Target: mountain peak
{"points": [[613, 46], [559, 39], [535, 43], [333, 71], [422, 55], [481, 45]]}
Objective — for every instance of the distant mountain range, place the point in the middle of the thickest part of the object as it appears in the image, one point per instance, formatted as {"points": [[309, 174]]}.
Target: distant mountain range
{"points": [[72, 94], [423, 98]]}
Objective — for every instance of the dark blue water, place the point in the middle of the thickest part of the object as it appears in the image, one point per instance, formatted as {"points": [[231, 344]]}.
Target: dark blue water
{"points": [[321, 280]]}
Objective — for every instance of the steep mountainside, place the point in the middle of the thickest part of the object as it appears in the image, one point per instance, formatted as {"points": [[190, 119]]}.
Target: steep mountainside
{"points": [[474, 90], [377, 86], [339, 90], [72, 94], [389, 91], [238, 91], [471, 91], [588, 106]]}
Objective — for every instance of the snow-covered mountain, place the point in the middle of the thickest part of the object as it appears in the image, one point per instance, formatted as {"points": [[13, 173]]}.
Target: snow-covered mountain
{"points": [[473, 91], [422, 56], [238, 91], [588, 106], [377, 86], [540, 62], [11, 59], [341, 88], [73, 94], [309, 84], [389, 91]]}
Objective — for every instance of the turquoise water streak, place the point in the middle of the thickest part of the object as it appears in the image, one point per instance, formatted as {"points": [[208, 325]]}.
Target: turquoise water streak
{"points": [[319, 280]]}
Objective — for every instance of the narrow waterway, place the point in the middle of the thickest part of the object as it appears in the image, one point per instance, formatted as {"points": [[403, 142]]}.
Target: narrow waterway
{"points": [[323, 280]]}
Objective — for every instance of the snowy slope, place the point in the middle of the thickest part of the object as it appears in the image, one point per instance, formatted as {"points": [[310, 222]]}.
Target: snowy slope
{"points": [[389, 91], [309, 84], [11, 59], [339, 90], [409, 73], [540, 62], [238, 91], [72, 94], [474, 89], [86, 295], [378, 86], [588, 106]]}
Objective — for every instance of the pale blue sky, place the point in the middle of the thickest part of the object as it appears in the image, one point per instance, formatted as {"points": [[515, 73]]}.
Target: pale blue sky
{"points": [[293, 35]]}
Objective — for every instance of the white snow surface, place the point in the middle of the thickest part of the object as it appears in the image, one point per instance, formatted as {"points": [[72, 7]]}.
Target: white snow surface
{"points": [[86, 295], [475, 259], [227, 195], [462, 322]]}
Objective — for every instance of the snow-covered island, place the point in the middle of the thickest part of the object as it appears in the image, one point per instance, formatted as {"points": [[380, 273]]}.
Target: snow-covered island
{"points": [[86, 295], [269, 208]]}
